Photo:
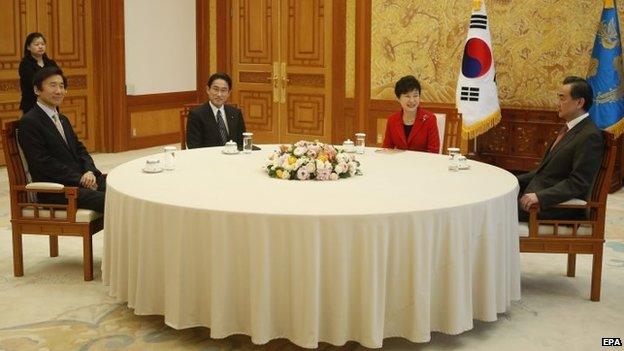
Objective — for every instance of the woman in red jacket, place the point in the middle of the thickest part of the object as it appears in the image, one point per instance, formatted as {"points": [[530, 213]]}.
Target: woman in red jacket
{"points": [[412, 128]]}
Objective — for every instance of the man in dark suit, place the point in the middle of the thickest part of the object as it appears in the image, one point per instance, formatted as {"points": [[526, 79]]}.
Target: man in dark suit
{"points": [[214, 123], [52, 149], [570, 166]]}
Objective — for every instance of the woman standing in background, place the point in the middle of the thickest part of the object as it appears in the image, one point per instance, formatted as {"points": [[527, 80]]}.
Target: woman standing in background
{"points": [[34, 59]]}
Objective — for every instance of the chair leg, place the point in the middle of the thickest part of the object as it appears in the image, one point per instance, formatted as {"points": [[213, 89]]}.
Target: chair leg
{"points": [[87, 256], [18, 258], [571, 265], [596, 274], [53, 246]]}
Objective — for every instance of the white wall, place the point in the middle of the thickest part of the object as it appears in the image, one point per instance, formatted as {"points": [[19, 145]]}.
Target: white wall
{"points": [[160, 46]]}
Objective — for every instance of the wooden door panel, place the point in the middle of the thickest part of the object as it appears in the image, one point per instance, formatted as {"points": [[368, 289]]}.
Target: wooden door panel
{"points": [[305, 32], [307, 65], [253, 55]]}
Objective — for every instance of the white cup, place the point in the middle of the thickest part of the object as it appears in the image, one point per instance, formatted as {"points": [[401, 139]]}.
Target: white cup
{"points": [[230, 147], [152, 165], [348, 145]]}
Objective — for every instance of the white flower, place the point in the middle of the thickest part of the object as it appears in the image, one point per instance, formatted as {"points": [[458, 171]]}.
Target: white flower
{"points": [[341, 167], [333, 176], [300, 150], [311, 166], [285, 175]]}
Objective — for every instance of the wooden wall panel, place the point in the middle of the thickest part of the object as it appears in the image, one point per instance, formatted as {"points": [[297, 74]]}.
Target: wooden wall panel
{"points": [[155, 118]]}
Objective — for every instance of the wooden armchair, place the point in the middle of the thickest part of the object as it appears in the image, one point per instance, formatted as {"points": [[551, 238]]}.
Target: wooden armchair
{"points": [[183, 117], [449, 129], [30, 217], [570, 236]]}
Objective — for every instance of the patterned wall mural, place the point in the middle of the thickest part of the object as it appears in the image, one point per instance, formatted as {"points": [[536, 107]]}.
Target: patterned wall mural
{"points": [[536, 43]]}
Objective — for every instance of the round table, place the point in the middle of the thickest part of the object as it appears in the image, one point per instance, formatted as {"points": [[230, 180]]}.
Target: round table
{"points": [[405, 249]]}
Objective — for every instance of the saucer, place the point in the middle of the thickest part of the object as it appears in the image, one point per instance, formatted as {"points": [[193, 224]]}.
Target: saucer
{"points": [[157, 170], [230, 153]]}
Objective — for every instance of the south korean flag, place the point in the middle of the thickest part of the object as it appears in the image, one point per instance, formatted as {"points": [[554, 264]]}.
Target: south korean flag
{"points": [[476, 95]]}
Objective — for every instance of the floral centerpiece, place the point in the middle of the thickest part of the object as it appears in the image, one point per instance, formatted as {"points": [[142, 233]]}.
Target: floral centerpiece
{"points": [[306, 160]]}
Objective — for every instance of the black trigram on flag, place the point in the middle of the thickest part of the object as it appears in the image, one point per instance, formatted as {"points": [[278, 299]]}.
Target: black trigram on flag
{"points": [[478, 21], [469, 94]]}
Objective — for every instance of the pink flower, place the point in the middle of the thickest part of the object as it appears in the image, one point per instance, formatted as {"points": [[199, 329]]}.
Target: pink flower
{"points": [[323, 174], [303, 174]]}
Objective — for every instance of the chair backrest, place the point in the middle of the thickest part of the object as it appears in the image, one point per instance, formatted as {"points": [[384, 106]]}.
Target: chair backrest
{"points": [[183, 117], [602, 184], [15, 166], [441, 120], [449, 130]]}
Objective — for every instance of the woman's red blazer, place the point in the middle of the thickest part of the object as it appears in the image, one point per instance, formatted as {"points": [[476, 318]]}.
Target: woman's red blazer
{"points": [[423, 137]]}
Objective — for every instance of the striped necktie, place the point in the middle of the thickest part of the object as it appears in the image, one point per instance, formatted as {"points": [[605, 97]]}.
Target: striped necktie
{"points": [[222, 130], [59, 126]]}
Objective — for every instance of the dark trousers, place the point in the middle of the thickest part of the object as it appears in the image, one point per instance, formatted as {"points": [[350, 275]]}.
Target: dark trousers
{"points": [[87, 198]]}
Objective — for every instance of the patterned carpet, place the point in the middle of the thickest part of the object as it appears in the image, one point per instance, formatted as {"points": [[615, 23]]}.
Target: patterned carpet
{"points": [[52, 308]]}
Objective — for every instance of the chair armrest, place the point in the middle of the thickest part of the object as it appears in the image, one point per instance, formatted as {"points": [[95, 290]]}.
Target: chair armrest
{"points": [[44, 186], [70, 193]]}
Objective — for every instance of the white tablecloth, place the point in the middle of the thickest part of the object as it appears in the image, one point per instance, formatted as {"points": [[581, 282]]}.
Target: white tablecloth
{"points": [[406, 249]]}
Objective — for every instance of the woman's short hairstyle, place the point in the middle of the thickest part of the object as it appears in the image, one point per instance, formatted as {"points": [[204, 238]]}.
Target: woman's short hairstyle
{"points": [[29, 39], [405, 85]]}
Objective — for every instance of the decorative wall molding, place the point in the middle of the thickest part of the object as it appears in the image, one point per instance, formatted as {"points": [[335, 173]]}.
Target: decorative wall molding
{"points": [[254, 77], [307, 80]]}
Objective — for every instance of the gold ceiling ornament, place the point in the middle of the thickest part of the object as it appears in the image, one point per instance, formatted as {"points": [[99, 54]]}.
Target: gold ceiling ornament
{"points": [[608, 34]]}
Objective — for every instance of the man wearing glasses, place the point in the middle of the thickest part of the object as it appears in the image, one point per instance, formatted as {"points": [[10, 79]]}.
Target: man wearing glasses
{"points": [[214, 123]]}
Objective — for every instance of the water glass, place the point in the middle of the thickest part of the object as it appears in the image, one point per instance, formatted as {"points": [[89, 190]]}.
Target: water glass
{"points": [[452, 151], [169, 158], [247, 142], [360, 142], [454, 164]]}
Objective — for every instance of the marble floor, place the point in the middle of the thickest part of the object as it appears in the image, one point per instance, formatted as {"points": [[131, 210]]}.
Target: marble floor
{"points": [[52, 308]]}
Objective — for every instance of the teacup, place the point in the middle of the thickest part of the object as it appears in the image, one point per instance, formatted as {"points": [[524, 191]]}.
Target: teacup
{"points": [[348, 145], [152, 165], [230, 147]]}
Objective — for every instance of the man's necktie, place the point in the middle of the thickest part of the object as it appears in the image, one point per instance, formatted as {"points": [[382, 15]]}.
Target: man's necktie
{"points": [[222, 130], [562, 132], [59, 126]]}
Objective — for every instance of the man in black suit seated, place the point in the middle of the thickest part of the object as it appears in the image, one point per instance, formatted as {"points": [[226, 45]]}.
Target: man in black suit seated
{"points": [[52, 149], [572, 161], [214, 123]]}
